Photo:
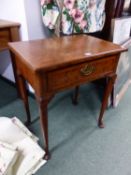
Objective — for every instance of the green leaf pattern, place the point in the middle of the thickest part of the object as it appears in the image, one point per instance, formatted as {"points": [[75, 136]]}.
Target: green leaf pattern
{"points": [[77, 16]]}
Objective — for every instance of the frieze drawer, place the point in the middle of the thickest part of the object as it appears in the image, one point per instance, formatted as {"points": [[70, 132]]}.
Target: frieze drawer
{"points": [[80, 73]]}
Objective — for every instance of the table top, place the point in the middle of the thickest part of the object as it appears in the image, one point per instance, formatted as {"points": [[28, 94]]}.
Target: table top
{"points": [[5, 23], [54, 52]]}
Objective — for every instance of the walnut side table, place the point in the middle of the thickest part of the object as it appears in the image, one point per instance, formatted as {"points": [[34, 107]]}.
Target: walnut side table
{"points": [[9, 32], [55, 64]]}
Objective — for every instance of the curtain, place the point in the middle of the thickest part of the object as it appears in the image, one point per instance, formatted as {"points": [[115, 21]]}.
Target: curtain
{"points": [[73, 16]]}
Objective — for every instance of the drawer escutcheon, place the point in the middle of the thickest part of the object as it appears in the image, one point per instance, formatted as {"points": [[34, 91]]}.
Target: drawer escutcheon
{"points": [[87, 70]]}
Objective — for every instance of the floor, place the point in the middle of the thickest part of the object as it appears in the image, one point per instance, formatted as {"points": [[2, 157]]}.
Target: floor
{"points": [[78, 146]]}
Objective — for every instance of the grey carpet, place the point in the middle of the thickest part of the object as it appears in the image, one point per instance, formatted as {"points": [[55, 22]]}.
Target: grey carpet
{"points": [[78, 146]]}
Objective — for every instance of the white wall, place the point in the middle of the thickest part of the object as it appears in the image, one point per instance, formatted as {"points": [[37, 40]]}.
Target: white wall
{"points": [[28, 14], [14, 10], [36, 29]]}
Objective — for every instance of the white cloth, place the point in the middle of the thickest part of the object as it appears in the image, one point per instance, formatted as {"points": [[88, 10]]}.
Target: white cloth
{"points": [[8, 156], [20, 153]]}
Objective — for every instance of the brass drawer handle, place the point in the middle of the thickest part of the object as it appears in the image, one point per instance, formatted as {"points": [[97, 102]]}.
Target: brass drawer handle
{"points": [[87, 70]]}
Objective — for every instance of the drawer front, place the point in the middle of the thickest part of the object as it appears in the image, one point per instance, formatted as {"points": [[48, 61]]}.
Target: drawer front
{"points": [[80, 73], [4, 38]]}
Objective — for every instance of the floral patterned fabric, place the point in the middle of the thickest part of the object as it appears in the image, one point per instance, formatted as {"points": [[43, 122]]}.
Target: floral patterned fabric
{"points": [[74, 16]]}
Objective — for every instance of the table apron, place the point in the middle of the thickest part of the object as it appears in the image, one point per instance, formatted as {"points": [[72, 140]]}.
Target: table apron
{"points": [[81, 73]]}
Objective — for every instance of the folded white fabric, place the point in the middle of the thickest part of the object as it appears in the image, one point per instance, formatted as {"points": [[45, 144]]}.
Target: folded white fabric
{"points": [[13, 130], [30, 157], [8, 156], [27, 156]]}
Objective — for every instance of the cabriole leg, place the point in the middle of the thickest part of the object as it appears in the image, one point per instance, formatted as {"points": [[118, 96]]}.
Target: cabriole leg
{"points": [[108, 90]]}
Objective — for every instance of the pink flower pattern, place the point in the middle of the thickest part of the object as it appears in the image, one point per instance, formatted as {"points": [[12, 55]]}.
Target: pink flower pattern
{"points": [[92, 3], [77, 16], [83, 24], [69, 4], [44, 2]]}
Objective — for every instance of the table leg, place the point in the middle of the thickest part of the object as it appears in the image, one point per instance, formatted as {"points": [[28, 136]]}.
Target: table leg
{"points": [[108, 90], [15, 74], [24, 96], [43, 105], [76, 95]]}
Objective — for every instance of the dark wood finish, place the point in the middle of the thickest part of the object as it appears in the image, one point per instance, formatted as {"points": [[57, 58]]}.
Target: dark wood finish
{"points": [[56, 64], [130, 8], [113, 9], [9, 32], [24, 96], [108, 90], [75, 95], [121, 10], [43, 104], [73, 74], [110, 10]]}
